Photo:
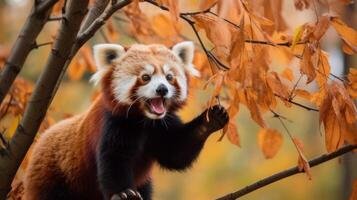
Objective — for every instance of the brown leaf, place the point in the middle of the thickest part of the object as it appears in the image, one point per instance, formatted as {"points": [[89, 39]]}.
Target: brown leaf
{"points": [[217, 30], [303, 164], [347, 33], [306, 65], [352, 78], [321, 27], [269, 141], [277, 86], [255, 112], [231, 131]]}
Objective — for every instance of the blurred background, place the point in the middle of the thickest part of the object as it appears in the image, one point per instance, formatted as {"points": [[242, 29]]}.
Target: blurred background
{"points": [[222, 167]]}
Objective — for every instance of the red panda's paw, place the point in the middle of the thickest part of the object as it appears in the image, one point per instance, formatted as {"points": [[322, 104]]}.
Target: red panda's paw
{"points": [[217, 118], [128, 194]]}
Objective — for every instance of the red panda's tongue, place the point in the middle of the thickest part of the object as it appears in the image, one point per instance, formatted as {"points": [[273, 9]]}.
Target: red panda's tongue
{"points": [[157, 105]]}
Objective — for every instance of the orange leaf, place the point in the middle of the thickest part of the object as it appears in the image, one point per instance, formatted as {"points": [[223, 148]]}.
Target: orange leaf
{"points": [[173, 6], [306, 65], [303, 93], [303, 164], [231, 131], [347, 33], [217, 30], [288, 74], [76, 69], [321, 27], [163, 26], [277, 86], [269, 141]]}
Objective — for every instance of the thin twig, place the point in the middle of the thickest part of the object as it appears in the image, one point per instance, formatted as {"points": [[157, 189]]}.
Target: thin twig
{"points": [[286, 173], [55, 18], [297, 104], [36, 46]]}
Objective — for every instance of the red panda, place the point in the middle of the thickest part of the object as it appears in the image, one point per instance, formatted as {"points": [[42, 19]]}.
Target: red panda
{"points": [[108, 151]]}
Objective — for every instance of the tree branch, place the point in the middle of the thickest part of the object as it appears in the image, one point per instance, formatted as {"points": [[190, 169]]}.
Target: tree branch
{"points": [[286, 173], [40, 98], [23, 45]]}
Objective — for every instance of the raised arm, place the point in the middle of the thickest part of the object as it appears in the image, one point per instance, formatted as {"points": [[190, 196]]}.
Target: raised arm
{"points": [[177, 146]]}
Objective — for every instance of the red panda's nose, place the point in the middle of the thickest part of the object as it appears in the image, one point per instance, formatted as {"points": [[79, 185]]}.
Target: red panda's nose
{"points": [[162, 90]]}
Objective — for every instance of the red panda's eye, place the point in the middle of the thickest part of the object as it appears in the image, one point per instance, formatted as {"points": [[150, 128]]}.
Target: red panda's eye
{"points": [[145, 77], [169, 77]]}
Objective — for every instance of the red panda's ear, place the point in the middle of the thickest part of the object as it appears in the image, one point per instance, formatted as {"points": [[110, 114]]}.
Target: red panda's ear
{"points": [[104, 54], [185, 51]]}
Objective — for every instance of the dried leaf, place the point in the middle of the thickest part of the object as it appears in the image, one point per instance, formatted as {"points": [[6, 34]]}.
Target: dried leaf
{"points": [[231, 131], [288, 74], [303, 164], [306, 65], [269, 141], [163, 26], [347, 33]]}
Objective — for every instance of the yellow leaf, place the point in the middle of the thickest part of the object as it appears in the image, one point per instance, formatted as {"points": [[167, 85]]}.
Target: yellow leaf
{"points": [[297, 36], [14, 124], [269, 141]]}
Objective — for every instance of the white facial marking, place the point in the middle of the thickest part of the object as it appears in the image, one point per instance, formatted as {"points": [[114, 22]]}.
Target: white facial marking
{"points": [[122, 84], [149, 69]]}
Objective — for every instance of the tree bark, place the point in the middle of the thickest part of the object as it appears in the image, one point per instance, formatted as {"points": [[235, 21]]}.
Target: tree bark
{"points": [[25, 42], [40, 99]]}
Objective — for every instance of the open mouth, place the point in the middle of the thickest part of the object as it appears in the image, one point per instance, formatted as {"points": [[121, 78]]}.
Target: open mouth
{"points": [[156, 105]]}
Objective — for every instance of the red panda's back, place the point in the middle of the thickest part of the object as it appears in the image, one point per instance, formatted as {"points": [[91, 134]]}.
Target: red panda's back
{"points": [[66, 150]]}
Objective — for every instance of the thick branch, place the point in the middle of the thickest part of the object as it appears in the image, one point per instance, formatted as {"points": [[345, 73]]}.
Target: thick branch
{"points": [[40, 99], [23, 45], [286, 173]]}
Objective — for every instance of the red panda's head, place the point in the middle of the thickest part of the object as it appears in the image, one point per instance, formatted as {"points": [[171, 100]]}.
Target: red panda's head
{"points": [[150, 79]]}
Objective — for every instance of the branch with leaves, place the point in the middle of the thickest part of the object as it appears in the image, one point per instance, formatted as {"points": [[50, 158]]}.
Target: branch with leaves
{"points": [[287, 173]]}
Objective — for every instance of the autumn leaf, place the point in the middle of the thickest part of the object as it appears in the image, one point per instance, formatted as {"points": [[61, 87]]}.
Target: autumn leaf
{"points": [[217, 31], [277, 86], [338, 115], [303, 94], [76, 69], [269, 141], [163, 26], [346, 33], [173, 6], [303, 164], [288, 74], [306, 65], [231, 131], [321, 27], [297, 36], [352, 78]]}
